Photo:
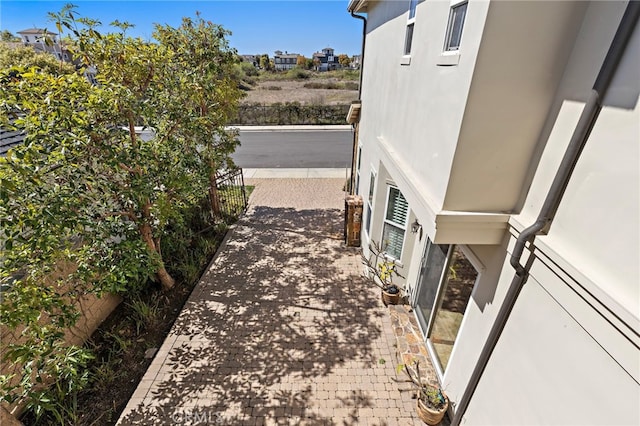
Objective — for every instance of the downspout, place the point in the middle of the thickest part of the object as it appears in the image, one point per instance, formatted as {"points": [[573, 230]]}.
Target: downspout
{"points": [[541, 226], [354, 147], [364, 40]]}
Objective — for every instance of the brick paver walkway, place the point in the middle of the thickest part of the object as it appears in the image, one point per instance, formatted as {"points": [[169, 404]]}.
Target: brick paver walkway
{"points": [[281, 328]]}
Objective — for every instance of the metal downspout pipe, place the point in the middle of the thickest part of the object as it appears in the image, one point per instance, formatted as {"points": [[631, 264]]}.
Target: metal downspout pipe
{"points": [[554, 196], [364, 41], [355, 141]]}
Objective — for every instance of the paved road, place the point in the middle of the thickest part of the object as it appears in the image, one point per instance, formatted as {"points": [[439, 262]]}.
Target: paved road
{"points": [[327, 148]]}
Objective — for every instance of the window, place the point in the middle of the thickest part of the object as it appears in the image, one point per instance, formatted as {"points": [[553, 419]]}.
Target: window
{"points": [[357, 183], [454, 29], [395, 223], [408, 38], [448, 275], [412, 8], [372, 185]]}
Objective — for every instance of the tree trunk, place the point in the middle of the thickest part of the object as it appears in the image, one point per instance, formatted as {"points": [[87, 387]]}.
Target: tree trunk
{"points": [[214, 197], [166, 281]]}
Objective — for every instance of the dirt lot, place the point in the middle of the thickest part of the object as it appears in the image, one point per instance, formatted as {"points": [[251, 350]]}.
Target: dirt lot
{"points": [[294, 91]]}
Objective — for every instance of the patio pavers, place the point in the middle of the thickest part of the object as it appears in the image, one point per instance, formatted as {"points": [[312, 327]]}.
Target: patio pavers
{"points": [[281, 329]]}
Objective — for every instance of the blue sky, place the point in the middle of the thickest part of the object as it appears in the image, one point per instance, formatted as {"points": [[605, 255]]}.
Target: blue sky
{"points": [[263, 26]]}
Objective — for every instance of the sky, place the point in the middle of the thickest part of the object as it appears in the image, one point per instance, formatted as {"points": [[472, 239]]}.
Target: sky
{"points": [[263, 26]]}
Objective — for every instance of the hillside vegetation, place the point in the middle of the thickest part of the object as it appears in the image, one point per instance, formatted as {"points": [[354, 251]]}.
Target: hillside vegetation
{"points": [[302, 86]]}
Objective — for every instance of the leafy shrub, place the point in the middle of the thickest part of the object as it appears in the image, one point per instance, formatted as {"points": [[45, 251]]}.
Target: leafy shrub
{"points": [[248, 69], [297, 73], [290, 113], [332, 85]]}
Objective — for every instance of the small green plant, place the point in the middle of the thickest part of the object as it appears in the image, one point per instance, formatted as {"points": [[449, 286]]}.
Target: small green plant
{"points": [[105, 374], [431, 396], [58, 376], [381, 268], [145, 314], [119, 343]]}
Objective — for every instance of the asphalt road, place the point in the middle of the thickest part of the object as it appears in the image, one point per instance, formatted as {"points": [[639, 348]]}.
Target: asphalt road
{"points": [[294, 149]]}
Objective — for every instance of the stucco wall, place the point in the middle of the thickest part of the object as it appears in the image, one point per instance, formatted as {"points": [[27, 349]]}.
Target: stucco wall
{"points": [[424, 133], [571, 336], [569, 353]]}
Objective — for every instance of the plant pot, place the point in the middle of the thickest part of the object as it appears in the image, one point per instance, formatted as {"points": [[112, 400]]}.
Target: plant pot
{"points": [[430, 416], [390, 298]]}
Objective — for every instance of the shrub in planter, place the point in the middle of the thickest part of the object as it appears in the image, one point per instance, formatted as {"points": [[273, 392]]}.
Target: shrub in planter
{"points": [[432, 403], [380, 271]]}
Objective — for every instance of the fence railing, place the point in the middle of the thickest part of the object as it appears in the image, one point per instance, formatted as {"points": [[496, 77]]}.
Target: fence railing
{"points": [[232, 195], [290, 113]]}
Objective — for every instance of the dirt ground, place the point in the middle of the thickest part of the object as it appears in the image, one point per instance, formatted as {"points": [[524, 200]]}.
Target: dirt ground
{"points": [[294, 91]]}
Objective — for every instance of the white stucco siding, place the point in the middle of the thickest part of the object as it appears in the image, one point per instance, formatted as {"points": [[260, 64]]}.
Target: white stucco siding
{"points": [[521, 59], [551, 370], [597, 227], [416, 108]]}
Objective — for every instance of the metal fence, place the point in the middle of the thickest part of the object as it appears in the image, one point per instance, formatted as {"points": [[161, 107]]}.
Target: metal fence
{"points": [[231, 194]]}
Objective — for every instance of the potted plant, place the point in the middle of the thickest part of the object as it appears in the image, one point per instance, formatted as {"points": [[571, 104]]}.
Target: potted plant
{"points": [[380, 270], [432, 403]]}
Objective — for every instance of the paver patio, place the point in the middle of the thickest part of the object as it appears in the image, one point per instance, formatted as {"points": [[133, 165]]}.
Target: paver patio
{"points": [[281, 329]]}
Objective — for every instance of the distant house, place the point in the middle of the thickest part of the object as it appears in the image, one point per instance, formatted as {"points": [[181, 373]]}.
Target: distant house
{"points": [[326, 60], [355, 61], [9, 139], [42, 40], [284, 61]]}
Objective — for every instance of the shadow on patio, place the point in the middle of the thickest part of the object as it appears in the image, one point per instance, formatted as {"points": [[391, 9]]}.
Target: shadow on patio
{"points": [[281, 329]]}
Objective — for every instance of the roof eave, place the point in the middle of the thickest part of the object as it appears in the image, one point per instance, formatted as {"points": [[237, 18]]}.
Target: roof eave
{"points": [[358, 5]]}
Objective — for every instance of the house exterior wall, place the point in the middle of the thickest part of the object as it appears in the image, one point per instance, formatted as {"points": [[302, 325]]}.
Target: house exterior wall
{"points": [[478, 142]]}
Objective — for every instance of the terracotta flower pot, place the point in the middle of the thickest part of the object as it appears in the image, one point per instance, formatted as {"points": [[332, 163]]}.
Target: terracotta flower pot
{"points": [[430, 416], [390, 298]]}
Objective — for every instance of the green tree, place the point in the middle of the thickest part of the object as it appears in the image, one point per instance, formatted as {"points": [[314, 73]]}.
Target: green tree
{"points": [[104, 170], [8, 36], [344, 60], [27, 57], [309, 64], [248, 69], [265, 63]]}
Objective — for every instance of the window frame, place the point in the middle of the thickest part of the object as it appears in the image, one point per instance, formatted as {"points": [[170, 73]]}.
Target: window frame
{"points": [[402, 227], [447, 48], [358, 164], [410, 28], [373, 178]]}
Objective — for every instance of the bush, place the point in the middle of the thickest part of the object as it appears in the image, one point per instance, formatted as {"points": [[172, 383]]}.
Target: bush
{"points": [[347, 85], [290, 113], [248, 69], [297, 73]]}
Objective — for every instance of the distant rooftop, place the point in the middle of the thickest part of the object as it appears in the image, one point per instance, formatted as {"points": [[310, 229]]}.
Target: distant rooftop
{"points": [[36, 31], [9, 139]]}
